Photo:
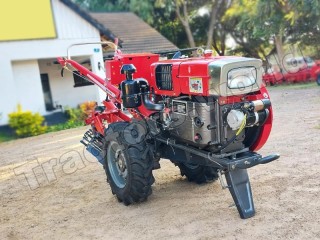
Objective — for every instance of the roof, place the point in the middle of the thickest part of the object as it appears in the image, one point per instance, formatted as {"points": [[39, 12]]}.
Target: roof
{"points": [[137, 36], [86, 16]]}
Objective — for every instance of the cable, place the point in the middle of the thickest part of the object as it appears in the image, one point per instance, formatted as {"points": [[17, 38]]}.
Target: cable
{"points": [[242, 126]]}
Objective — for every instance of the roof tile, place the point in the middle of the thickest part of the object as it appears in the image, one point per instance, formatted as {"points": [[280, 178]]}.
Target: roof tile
{"points": [[137, 36]]}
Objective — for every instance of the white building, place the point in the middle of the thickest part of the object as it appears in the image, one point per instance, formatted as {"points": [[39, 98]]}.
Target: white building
{"points": [[28, 74], [46, 28]]}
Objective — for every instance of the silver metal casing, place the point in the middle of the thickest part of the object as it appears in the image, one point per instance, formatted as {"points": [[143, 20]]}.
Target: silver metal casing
{"points": [[221, 70], [195, 122]]}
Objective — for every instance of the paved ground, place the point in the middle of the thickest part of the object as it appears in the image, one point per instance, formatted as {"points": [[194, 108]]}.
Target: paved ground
{"points": [[51, 189]]}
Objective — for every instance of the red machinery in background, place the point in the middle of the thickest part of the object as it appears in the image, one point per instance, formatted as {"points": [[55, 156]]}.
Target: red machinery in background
{"points": [[295, 70], [208, 115]]}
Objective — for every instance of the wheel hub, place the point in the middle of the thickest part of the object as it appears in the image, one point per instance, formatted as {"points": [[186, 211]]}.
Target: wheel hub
{"points": [[117, 164], [121, 163]]}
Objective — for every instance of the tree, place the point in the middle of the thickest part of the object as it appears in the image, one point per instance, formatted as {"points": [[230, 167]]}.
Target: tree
{"points": [[188, 14], [238, 22], [200, 20], [272, 20], [218, 7], [160, 14], [143, 8], [259, 27], [283, 21], [104, 5], [183, 16], [306, 28], [177, 20]]}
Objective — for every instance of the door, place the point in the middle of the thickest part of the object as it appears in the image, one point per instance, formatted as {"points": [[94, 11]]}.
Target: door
{"points": [[46, 92]]}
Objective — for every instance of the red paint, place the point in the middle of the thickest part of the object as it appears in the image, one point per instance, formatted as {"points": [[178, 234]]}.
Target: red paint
{"points": [[266, 128], [302, 74], [141, 61]]}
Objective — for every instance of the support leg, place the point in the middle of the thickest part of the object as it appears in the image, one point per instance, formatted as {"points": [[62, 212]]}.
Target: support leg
{"points": [[239, 187]]}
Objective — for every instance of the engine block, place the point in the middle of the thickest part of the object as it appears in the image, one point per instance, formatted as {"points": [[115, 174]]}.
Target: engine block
{"points": [[195, 122]]}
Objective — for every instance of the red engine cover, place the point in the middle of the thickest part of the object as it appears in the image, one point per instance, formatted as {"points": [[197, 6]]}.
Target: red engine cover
{"points": [[189, 76], [141, 61]]}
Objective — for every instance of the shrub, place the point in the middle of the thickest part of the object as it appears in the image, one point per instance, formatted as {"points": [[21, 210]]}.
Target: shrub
{"points": [[74, 114], [88, 107], [26, 123], [76, 117]]}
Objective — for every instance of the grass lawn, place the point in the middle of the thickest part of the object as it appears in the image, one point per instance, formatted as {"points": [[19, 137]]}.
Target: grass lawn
{"points": [[295, 86], [4, 137]]}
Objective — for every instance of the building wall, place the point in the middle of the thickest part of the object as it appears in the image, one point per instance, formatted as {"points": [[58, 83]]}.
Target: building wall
{"points": [[21, 57], [29, 93], [62, 90]]}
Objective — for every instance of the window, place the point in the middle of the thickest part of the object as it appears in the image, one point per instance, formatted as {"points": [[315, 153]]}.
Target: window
{"points": [[80, 80]]}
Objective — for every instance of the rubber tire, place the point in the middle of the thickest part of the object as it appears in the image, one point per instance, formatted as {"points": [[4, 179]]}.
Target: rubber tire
{"points": [[318, 79], [198, 174], [139, 164]]}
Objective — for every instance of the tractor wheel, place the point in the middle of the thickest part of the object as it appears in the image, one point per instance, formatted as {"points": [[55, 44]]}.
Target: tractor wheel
{"points": [[318, 79], [128, 163], [197, 173]]}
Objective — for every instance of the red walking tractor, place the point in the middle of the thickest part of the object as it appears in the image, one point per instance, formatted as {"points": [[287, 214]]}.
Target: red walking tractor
{"points": [[208, 115]]}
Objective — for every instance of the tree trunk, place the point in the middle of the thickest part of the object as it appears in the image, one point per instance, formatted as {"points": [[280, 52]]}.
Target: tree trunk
{"points": [[213, 19], [279, 47], [190, 36], [185, 21]]}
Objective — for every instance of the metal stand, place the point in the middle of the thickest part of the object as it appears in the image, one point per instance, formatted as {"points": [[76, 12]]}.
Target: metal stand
{"points": [[239, 187]]}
